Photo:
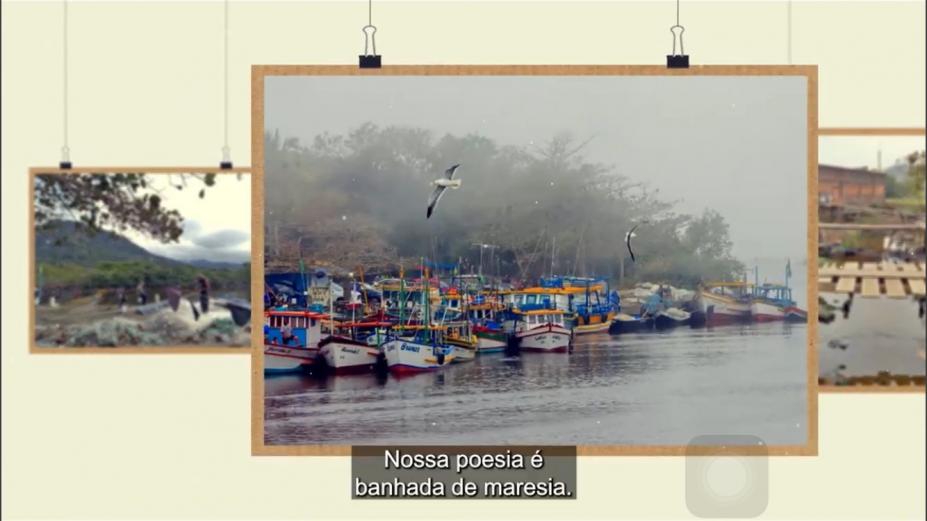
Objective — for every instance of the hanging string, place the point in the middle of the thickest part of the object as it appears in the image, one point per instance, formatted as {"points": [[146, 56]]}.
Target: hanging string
{"points": [[370, 59], [679, 59], [65, 148], [226, 150], [679, 35], [370, 31]]}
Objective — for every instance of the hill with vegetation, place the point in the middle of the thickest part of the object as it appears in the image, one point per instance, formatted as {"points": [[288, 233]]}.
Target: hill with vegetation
{"points": [[72, 255]]}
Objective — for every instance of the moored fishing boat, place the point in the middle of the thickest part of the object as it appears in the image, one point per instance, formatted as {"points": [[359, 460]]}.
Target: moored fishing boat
{"points": [[795, 314], [591, 303], [625, 323], [723, 303], [490, 340], [670, 318], [543, 330], [465, 343], [482, 312], [419, 353], [773, 302], [595, 327], [354, 353], [345, 355], [291, 340], [766, 311]]}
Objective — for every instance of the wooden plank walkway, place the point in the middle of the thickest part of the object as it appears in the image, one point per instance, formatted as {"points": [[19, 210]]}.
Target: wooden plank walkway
{"points": [[894, 288], [917, 287], [873, 279], [846, 285], [870, 287]]}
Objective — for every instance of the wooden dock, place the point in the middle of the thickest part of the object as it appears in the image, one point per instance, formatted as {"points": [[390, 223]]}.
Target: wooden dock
{"points": [[873, 279]]}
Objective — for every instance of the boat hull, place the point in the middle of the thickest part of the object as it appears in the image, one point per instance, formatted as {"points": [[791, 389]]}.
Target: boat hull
{"points": [[599, 327], [463, 351], [794, 314], [766, 312], [628, 324], [491, 341], [287, 360], [666, 321], [721, 310], [545, 339], [597, 323], [406, 357], [347, 356]]}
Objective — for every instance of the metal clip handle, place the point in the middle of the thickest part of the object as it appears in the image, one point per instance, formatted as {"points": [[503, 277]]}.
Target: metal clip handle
{"points": [[677, 60], [370, 59]]}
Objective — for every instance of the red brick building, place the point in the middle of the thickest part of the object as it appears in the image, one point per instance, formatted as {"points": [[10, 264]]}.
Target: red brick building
{"points": [[850, 186]]}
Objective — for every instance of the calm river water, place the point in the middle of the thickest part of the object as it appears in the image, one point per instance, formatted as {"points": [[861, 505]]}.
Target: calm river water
{"points": [[651, 388], [880, 334]]}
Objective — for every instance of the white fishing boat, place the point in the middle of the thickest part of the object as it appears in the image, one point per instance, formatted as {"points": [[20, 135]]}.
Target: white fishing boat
{"points": [[543, 330], [282, 359], [350, 352], [344, 355], [419, 353]]}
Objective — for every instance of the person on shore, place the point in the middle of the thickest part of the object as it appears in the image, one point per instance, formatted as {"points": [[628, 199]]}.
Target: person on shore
{"points": [[203, 284], [142, 292], [121, 296]]}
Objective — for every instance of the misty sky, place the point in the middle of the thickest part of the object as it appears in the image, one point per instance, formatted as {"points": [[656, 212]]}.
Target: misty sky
{"points": [[858, 151], [734, 144], [216, 228]]}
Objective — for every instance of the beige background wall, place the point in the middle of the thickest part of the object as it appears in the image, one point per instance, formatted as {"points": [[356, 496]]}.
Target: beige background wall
{"points": [[167, 436]]}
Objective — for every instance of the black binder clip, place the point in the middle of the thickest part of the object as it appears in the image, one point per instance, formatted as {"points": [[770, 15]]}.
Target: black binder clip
{"points": [[370, 59], [226, 163], [65, 163], [680, 60]]}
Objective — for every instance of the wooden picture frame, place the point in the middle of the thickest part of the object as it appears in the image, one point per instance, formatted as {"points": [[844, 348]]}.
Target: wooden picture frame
{"points": [[808, 72], [160, 170], [874, 388]]}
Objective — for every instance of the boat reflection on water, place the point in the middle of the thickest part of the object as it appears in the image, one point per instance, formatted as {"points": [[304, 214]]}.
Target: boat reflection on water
{"points": [[637, 388]]}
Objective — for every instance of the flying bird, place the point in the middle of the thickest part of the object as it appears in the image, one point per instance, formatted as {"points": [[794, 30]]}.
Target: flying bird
{"points": [[441, 185], [627, 240]]}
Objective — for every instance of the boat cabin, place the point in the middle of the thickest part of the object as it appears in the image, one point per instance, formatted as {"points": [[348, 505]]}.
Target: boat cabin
{"points": [[532, 319], [776, 293], [293, 328]]}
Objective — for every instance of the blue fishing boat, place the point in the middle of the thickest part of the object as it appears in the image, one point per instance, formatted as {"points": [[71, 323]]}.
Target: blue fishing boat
{"points": [[291, 340]]}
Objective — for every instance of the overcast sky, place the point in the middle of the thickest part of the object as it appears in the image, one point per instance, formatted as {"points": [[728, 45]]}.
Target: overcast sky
{"points": [[857, 151], [734, 144], [216, 228]]}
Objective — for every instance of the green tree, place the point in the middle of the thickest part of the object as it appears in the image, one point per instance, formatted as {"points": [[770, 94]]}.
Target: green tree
{"points": [[119, 201]]}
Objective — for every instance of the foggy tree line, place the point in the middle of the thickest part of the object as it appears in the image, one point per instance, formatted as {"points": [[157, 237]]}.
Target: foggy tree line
{"points": [[359, 200]]}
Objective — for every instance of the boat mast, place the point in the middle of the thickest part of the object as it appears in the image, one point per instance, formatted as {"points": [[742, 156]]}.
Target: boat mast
{"points": [[553, 249], [426, 301], [402, 293], [331, 310]]}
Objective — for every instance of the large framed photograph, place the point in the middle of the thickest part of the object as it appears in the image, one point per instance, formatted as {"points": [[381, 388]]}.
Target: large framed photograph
{"points": [[621, 258], [140, 260], [872, 293]]}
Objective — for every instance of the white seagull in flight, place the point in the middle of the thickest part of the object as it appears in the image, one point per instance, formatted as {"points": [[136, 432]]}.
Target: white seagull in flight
{"points": [[441, 185]]}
